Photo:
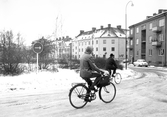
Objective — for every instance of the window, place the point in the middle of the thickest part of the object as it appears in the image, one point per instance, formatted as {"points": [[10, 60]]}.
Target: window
{"points": [[150, 52], [161, 22], [82, 49], [150, 26], [131, 31], [79, 50], [161, 52], [104, 41], [137, 41], [137, 53], [96, 49], [113, 41], [89, 42], [96, 41], [137, 30], [104, 48], [131, 42], [112, 49], [150, 39], [161, 37]]}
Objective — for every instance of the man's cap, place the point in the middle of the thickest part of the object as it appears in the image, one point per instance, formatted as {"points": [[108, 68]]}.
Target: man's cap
{"points": [[89, 49], [111, 55]]}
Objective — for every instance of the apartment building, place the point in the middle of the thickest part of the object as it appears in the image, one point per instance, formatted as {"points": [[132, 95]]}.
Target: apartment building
{"points": [[63, 48], [148, 39], [105, 40]]}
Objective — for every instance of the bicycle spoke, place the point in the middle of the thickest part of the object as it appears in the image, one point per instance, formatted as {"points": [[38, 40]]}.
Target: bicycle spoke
{"points": [[77, 96]]}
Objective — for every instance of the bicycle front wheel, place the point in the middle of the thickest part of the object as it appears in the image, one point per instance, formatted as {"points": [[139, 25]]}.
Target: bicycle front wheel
{"points": [[107, 93], [118, 78], [77, 96]]}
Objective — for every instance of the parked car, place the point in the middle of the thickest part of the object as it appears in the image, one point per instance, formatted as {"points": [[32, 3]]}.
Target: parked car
{"points": [[140, 63]]}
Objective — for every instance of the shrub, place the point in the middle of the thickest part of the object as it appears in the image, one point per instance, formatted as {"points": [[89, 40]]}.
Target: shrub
{"points": [[12, 69], [119, 65], [100, 62]]}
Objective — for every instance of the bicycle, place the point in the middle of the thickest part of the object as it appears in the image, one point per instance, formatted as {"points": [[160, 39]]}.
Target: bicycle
{"points": [[117, 78], [80, 94]]}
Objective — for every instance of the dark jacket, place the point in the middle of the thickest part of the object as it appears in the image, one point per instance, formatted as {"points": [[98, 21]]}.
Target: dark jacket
{"points": [[110, 63], [87, 66]]}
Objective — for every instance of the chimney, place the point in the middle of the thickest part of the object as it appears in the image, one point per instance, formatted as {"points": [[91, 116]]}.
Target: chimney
{"points": [[101, 27], [154, 14], [93, 28], [119, 26], [109, 25], [161, 10], [148, 17], [81, 31]]}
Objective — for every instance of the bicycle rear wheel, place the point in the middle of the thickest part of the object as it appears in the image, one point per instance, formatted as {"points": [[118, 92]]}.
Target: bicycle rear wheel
{"points": [[77, 96], [118, 78], [107, 93]]}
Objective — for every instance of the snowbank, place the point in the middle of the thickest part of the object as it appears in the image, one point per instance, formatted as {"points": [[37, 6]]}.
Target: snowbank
{"points": [[45, 81]]}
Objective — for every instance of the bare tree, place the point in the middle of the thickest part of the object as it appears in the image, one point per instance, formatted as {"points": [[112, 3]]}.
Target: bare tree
{"points": [[10, 53]]}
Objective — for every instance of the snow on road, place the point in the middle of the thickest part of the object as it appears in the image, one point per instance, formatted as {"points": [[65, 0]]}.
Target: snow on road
{"points": [[46, 95]]}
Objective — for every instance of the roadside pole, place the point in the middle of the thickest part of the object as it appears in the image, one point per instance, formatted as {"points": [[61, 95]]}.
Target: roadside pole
{"points": [[37, 48], [37, 62]]}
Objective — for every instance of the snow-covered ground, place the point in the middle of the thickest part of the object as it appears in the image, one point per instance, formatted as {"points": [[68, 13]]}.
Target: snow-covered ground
{"points": [[45, 81], [46, 95]]}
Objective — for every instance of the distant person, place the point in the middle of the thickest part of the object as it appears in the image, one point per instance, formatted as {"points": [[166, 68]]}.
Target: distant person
{"points": [[111, 65], [88, 69]]}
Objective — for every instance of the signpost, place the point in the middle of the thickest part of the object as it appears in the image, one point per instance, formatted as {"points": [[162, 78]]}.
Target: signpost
{"points": [[37, 48]]}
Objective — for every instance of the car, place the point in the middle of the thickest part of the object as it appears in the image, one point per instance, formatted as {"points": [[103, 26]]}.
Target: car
{"points": [[140, 63]]}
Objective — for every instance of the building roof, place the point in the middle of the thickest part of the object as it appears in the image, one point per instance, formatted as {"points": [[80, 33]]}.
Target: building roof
{"points": [[102, 33], [150, 18]]}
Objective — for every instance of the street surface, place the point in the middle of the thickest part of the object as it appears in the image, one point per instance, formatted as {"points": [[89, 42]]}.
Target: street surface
{"points": [[144, 96]]}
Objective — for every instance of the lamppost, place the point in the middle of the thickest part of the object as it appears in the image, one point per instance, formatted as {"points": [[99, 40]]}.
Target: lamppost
{"points": [[126, 32]]}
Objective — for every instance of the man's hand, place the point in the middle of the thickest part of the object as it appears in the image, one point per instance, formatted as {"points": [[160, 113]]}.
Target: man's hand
{"points": [[106, 73]]}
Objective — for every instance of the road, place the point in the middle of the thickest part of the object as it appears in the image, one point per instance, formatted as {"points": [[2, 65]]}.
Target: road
{"points": [[145, 96]]}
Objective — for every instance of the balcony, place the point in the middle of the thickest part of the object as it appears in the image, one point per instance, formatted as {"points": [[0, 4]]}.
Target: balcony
{"points": [[157, 29], [156, 43], [130, 37], [130, 47]]}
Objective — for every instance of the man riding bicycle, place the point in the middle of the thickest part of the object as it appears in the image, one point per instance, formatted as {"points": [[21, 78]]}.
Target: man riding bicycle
{"points": [[111, 65], [88, 69]]}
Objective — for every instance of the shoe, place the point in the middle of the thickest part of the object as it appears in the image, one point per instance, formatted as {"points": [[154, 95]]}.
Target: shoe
{"points": [[87, 98]]}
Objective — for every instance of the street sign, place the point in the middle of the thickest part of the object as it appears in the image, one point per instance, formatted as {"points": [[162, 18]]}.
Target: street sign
{"points": [[38, 47]]}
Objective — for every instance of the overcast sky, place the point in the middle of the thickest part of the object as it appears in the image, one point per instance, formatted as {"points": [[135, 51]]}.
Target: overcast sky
{"points": [[37, 18]]}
